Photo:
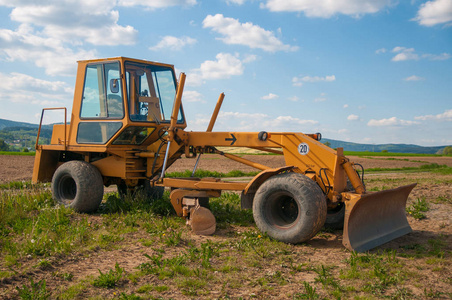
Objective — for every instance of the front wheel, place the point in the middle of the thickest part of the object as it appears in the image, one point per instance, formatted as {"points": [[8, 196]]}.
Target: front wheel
{"points": [[289, 207], [79, 185]]}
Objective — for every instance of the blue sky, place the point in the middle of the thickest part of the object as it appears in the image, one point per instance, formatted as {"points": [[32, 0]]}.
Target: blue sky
{"points": [[366, 71]]}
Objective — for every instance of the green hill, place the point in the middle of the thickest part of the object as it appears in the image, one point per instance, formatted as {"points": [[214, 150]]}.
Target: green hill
{"points": [[394, 148]]}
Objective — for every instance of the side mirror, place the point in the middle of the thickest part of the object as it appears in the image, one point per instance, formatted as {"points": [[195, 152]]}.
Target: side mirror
{"points": [[114, 86]]}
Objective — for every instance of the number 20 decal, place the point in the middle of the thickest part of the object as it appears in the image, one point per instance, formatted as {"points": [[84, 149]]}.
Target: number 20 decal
{"points": [[303, 148]]}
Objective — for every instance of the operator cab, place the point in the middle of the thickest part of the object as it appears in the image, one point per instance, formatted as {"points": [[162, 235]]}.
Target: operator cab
{"points": [[125, 100]]}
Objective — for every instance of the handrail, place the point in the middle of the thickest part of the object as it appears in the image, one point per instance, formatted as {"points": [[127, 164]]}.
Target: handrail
{"points": [[65, 124]]}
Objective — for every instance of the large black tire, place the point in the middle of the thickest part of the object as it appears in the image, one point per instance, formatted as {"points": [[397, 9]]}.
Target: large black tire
{"points": [[289, 207], [143, 187], [79, 185]]}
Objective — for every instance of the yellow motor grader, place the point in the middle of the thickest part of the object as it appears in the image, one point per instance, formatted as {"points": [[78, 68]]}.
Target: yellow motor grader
{"points": [[127, 127]]}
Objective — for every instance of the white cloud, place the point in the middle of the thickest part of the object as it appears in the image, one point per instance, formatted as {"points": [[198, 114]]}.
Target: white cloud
{"points": [[391, 122], [293, 98], [379, 51], [193, 96], [75, 22], [298, 81], [442, 56], [154, 4], [445, 116], [353, 117], [24, 95], [246, 34], [414, 78], [435, 12], [270, 96], [327, 8], [225, 66], [237, 2], [240, 121], [51, 34], [404, 54], [230, 114], [288, 121], [45, 52], [173, 43], [345, 106]]}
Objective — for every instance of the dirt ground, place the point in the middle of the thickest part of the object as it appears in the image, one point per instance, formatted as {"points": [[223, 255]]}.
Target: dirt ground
{"points": [[320, 249], [18, 168]]}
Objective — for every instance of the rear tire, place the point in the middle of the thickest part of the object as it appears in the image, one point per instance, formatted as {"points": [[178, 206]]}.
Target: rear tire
{"points": [[79, 185], [289, 207]]}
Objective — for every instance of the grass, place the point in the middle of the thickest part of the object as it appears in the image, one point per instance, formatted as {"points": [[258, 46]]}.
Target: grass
{"points": [[383, 154], [418, 208], [434, 167], [205, 173], [39, 238], [110, 279], [34, 291], [17, 153]]}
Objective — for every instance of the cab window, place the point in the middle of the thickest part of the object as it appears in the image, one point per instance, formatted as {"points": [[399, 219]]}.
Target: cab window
{"points": [[102, 92], [151, 92], [102, 100]]}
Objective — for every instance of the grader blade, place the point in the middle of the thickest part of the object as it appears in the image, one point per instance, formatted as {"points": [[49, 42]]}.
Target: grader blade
{"points": [[373, 219], [202, 221]]}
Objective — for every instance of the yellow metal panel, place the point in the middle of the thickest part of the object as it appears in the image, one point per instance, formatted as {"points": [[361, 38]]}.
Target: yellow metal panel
{"points": [[204, 184], [46, 163], [112, 166], [58, 134]]}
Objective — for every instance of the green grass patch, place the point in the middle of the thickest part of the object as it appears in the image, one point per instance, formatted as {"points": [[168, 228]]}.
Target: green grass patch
{"points": [[434, 167], [17, 153], [379, 154], [22, 185], [205, 173], [110, 279], [34, 291], [418, 208]]}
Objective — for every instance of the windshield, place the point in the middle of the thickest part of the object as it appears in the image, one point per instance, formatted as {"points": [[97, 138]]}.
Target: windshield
{"points": [[151, 91]]}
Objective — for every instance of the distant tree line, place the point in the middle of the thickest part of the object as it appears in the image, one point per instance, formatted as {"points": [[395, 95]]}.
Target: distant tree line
{"points": [[21, 138]]}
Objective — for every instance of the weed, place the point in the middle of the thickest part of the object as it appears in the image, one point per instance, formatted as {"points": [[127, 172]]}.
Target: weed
{"points": [[325, 277], [171, 239], [417, 209], [207, 251], [36, 291], [110, 279], [44, 264]]}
